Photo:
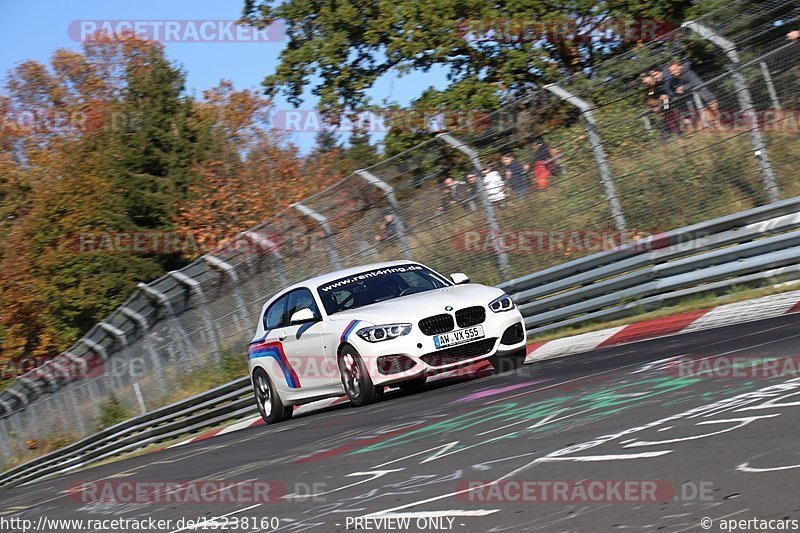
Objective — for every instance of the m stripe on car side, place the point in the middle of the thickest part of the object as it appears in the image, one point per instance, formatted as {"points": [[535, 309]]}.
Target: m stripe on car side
{"points": [[348, 330], [275, 350]]}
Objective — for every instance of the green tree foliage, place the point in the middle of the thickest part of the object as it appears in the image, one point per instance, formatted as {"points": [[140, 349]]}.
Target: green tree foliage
{"points": [[349, 44]]}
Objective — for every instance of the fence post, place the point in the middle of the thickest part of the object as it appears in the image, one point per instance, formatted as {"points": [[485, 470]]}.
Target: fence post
{"points": [[256, 238], [194, 286], [388, 192], [226, 268], [599, 153], [182, 338], [17, 394], [745, 104], [773, 94], [491, 218], [323, 223]]}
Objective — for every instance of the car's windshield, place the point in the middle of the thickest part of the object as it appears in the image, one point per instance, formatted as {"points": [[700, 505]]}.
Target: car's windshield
{"points": [[372, 286]]}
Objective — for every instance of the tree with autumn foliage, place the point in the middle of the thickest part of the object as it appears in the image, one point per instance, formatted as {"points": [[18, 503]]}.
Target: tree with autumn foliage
{"points": [[256, 172], [106, 140]]}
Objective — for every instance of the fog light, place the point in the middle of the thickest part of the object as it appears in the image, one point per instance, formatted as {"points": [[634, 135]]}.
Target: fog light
{"points": [[393, 364]]}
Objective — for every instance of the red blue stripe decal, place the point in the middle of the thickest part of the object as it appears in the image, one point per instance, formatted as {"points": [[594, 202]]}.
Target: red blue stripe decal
{"points": [[348, 330], [275, 350]]}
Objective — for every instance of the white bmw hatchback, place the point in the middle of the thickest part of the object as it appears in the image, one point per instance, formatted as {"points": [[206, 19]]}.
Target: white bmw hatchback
{"points": [[359, 330]]}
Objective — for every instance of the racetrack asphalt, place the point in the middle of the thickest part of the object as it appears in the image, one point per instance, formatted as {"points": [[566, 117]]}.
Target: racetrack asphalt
{"points": [[616, 438]]}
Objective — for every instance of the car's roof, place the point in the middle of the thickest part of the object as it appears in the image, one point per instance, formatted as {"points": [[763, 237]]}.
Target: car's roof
{"points": [[316, 281]]}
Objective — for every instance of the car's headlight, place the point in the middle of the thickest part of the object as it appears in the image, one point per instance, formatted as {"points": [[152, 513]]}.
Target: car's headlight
{"points": [[384, 332], [504, 303]]}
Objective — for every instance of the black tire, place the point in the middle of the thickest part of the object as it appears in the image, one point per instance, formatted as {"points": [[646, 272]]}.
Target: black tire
{"points": [[355, 379], [413, 386], [268, 401], [508, 362]]}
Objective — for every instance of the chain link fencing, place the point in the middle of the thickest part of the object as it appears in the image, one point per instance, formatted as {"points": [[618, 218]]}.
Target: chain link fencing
{"points": [[596, 160]]}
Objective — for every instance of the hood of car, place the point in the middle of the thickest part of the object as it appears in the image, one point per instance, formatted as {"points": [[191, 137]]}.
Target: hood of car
{"points": [[417, 306]]}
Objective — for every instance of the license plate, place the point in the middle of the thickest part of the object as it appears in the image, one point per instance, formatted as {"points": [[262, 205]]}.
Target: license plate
{"points": [[459, 336]]}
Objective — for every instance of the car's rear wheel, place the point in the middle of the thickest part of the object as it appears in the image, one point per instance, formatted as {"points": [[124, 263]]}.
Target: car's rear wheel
{"points": [[413, 386], [268, 401], [508, 362], [355, 379]]}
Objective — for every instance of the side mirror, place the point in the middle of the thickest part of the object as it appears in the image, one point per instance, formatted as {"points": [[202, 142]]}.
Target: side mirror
{"points": [[302, 316], [459, 278]]}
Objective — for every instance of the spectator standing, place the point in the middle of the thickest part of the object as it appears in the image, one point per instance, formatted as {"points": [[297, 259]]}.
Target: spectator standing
{"points": [[388, 228], [657, 100], [454, 192], [493, 182], [471, 193], [544, 164], [514, 175], [682, 85]]}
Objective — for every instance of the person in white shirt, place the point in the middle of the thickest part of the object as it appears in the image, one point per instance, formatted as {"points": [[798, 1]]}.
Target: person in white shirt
{"points": [[493, 182]]}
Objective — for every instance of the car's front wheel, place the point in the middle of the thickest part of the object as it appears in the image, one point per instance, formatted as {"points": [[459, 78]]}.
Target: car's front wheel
{"points": [[269, 403], [355, 379]]}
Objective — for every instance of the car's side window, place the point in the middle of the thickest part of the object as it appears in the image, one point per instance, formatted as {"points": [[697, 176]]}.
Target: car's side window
{"points": [[273, 318], [299, 300]]}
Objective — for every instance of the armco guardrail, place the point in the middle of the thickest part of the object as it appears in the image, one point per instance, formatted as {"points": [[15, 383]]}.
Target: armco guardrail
{"points": [[741, 248], [754, 244], [227, 402]]}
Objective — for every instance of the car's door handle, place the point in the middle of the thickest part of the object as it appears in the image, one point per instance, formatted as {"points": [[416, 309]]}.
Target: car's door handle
{"points": [[282, 336]]}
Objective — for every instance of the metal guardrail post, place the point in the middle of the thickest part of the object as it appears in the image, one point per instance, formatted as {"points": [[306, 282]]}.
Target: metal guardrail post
{"points": [[773, 94], [141, 323], [388, 192], [181, 336], [599, 153], [226, 268], [745, 104], [74, 359], [322, 220], [6, 407], [44, 373], [97, 348], [491, 218], [194, 286], [18, 395], [114, 332], [266, 243], [31, 384]]}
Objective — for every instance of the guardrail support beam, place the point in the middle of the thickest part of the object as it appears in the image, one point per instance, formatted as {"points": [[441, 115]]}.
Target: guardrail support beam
{"points": [[596, 142], [326, 228], [388, 192], [97, 348], [226, 268], [114, 332], [745, 104], [491, 218], [173, 323], [194, 286], [268, 244]]}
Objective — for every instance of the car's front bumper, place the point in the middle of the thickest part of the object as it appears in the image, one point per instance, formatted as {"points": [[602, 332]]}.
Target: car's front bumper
{"points": [[419, 349]]}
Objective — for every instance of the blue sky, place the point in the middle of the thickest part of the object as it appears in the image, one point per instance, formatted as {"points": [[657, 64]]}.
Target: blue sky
{"points": [[35, 29]]}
